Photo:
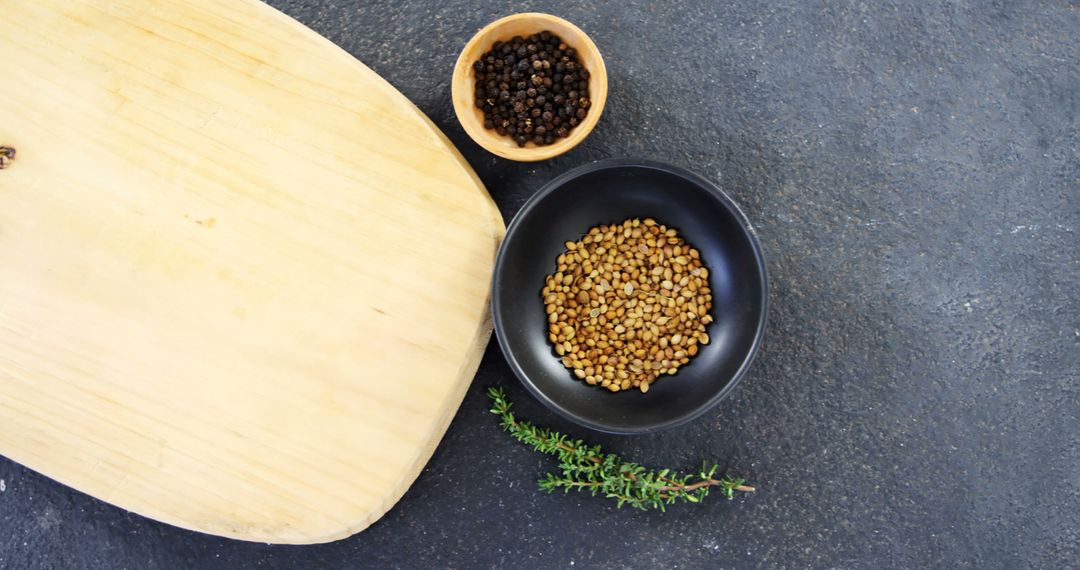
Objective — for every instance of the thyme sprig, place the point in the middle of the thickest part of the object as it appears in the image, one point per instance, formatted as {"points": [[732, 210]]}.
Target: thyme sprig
{"points": [[586, 467]]}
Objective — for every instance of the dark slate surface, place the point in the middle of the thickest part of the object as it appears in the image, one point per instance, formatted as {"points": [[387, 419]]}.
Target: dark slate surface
{"points": [[914, 174]]}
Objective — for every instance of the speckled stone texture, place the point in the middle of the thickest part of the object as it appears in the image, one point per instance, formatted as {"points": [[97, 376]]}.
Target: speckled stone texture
{"points": [[913, 170]]}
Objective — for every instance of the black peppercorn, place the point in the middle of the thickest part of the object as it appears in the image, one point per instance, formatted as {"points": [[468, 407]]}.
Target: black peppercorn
{"points": [[534, 89], [7, 154]]}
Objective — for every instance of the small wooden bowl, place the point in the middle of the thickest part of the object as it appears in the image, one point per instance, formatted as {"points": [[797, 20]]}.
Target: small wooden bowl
{"points": [[524, 25]]}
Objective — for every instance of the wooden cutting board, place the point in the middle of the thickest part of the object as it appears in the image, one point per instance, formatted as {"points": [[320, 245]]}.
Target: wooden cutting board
{"points": [[243, 281]]}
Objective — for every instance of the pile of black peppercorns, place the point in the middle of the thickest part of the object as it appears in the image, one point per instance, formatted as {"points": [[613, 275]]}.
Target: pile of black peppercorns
{"points": [[532, 89]]}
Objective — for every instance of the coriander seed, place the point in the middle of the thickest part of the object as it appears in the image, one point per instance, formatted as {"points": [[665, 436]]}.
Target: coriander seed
{"points": [[627, 303]]}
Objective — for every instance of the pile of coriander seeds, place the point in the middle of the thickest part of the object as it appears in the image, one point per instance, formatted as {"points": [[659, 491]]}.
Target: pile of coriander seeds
{"points": [[532, 89], [627, 304]]}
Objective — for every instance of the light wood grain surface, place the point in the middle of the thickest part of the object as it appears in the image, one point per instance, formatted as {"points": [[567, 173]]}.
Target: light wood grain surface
{"points": [[243, 281]]}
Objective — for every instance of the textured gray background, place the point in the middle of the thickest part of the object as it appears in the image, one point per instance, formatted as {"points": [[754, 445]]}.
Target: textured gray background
{"points": [[914, 174]]}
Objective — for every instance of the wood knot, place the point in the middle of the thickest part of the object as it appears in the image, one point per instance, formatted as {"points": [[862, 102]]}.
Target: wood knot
{"points": [[7, 154]]}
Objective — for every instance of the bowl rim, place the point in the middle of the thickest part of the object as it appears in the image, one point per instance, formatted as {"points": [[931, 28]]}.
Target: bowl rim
{"points": [[613, 163]]}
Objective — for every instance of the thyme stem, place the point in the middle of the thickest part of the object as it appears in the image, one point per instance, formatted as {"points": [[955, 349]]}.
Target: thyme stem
{"points": [[587, 468]]}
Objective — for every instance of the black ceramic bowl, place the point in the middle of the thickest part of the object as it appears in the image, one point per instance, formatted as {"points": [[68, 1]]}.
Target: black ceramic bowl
{"points": [[611, 191]]}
